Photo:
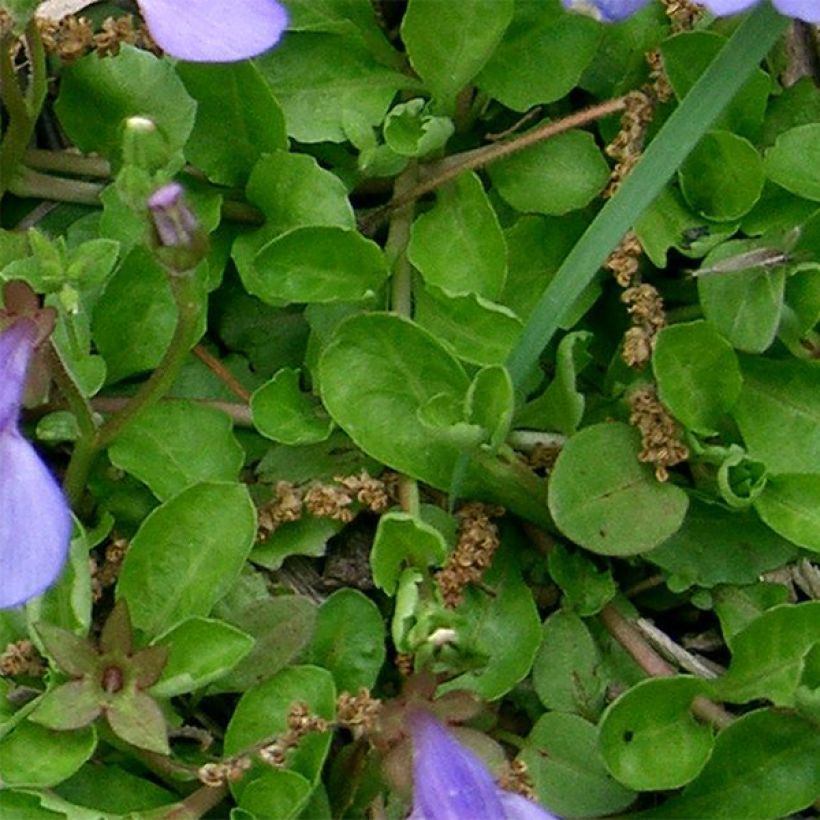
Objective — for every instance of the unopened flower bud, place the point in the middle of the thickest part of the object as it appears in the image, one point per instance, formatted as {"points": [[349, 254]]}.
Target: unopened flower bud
{"points": [[144, 146], [178, 236]]}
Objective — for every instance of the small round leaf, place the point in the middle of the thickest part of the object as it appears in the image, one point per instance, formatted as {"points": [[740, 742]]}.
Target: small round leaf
{"points": [[604, 499]]}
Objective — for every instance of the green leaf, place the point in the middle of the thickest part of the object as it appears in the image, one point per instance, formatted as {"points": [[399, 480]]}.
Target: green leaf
{"points": [[669, 223], [344, 17], [697, 373], [490, 402], [97, 96], [411, 131], [744, 305], [280, 793], [37, 757], [294, 191], [281, 627], [565, 674], [718, 546], [793, 161], [178, 443], [561, 406], [349, 640], [555, 176], [648, 737], [135, 317], [722, 178], [790, 505], [137, 719], [764, 765], [401, 540], [778, 414], [536, 247], [328, 84], [614, 506], [315, 264], [262, 713], [27, 806], [202, 651], [298, 464], [112, 789], [283, 412], [586, 588], [540, 34], [74, 655], [503, 627], [768, 656], [686, 56], [307, 536], [90, 263], [375, 374], [740, 479], [474, 329], [737, 607], [72, 705], [458, 246], [798, 104], [562, 758], [186, 555], [449, 43], [237, 119]]}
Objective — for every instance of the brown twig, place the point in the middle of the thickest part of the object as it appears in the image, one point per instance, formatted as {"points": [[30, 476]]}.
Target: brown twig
{"points": [[442, 171], [222, 373], [653, 664], [198, 803], [240, 413]]}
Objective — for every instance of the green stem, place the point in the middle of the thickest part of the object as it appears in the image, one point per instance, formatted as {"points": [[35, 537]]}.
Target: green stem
{"points": [[77, 402], [23, 109], [677, 137], [198, 803], [67, 162], [398, 237], [185, 290], [19, 128], [33, 184], [38, 84], [510, 738], [401, 293], [83, 455]]}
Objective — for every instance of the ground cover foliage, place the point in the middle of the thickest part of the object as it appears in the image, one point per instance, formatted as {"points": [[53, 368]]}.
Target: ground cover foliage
{"points": [[394, 446]]}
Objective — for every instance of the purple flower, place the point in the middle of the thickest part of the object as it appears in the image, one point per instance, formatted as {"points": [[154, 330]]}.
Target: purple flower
{"points": [[175, 224], [209, 31], [35, 523], [180, 241], [609, 11], [451, 783], [808, 10], [612, 10]]}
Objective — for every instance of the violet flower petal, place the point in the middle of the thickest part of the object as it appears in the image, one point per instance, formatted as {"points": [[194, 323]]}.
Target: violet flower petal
{"points": [[35, 525], [517, 807], [806, 10], [450, 782], [208, 31], [721, 7], [35, 522], [610, 11]]}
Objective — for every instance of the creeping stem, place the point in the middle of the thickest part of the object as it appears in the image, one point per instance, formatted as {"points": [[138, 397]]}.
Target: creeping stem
{"points": [[23, 107], [186, 293]]}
